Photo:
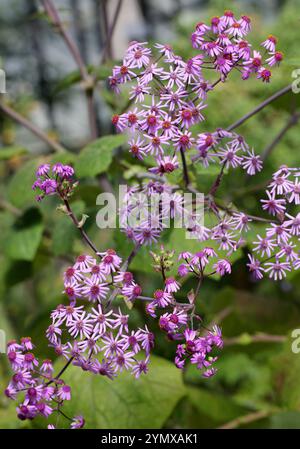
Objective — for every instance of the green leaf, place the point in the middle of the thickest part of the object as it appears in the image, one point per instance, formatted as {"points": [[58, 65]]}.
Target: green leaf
{"points": [[25, 236], [72, 78], [97, 156], [125, 402], [216, 406], [11, 151], [20, 187]]}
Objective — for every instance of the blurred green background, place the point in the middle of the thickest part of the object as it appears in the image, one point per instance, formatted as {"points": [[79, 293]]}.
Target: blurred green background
{"points": [[257, 384]]}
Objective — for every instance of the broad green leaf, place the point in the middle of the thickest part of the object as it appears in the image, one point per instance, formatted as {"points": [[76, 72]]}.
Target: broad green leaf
{"points": [[20, 187], [12, 151], [25, 236], [97, 156], [125, 402]]}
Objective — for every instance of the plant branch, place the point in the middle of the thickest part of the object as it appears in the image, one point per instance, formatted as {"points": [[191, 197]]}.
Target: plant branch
{"points": [[185, 169], [110, 32], [257, 338], [247, 419], [78, 226], [293, 120], [55, 146], [88, 81]]}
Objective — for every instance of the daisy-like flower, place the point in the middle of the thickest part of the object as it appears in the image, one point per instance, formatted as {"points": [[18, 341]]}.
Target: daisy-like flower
{"points": [[222, 267], [241, 221], [97, 273], [287, 251], [275, 58], [123, 360], [53, 333], [138, 93], [280, 184], [273, 205], [173, 77], [162, 298], [264, 74], [175, 99], [146, 235], [229, 157], [104, 368], [73, 290], [26, 343], [84, 262], [294, 194], [255, 62], [270, 43], [119, 122], [81, 326], [252, 163], [29, 361], [110, 261], [171, 285], [137, 148], [138, 57], [264, 246], [280, 232], [293, 224], [22, 378], [183, 140], [209, 372], [101, 320], [47, 366], [43, 170], [64, 392], [111, 344], [77, 422], [72, 275], [120, 321], [132, 291], [93, 290], [277, 270], [140, 367], [123, 73], [147, 340], [132, 341], [255, 268], [155, 145], [166, 164]]}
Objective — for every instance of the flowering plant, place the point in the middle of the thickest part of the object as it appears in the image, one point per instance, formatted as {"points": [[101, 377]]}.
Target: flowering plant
{"points": [[168, 100]]}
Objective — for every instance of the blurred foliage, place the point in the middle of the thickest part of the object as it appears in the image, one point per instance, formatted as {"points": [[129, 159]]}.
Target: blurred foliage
{"points": [[37, 243]]}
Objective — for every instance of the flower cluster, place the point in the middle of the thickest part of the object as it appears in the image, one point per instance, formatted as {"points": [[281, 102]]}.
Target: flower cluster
{"points": [[178, 319], [143, 219], [279, 246], [172, 94], [42, 393], [57, 179], [227, 148], [93, 335]]}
